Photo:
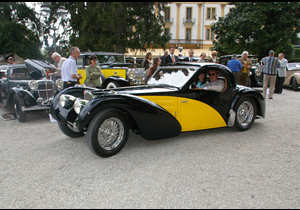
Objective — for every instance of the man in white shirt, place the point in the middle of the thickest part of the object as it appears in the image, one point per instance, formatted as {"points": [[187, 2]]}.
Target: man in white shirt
{"points": [[69, 68], [190, 58], [214, 84]]}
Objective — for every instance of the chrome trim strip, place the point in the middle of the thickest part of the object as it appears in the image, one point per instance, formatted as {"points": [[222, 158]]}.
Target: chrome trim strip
{"points": [[32, 108]]}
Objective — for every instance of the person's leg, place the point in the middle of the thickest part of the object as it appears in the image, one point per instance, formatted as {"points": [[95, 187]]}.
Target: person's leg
{"points": [[272, 85], [266, 84], [277, 85], [281, 81], [236, 76]]}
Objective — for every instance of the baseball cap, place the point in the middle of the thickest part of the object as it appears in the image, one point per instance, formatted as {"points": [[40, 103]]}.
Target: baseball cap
{"points": [[234, 55], [10, 58]]}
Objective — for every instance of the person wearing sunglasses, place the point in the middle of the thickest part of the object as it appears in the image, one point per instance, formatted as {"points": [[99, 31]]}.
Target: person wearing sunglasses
{"points": [[213, 57], [215, 83]]}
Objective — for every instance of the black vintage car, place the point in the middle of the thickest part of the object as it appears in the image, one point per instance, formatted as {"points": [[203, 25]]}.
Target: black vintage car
{"points": [[256, 77], [26, 87], [166, 106]]}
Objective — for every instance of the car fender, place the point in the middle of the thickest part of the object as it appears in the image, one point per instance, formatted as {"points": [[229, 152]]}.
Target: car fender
{"points": [[122, 81], [21, 93], [139, 111], [256, 96]]}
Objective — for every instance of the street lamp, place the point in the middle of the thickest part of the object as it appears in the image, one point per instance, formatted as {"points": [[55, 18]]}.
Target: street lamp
{"points": [[60, 12]]}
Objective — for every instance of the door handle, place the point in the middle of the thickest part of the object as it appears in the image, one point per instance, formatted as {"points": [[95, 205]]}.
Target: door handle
{"points": [[184, 101]]}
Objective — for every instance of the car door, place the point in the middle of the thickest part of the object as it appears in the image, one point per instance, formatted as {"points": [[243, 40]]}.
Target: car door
{"points": [[204, 109]]}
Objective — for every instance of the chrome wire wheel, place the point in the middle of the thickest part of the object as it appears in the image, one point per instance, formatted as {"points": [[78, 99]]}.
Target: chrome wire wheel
{"points": [[110, 133], [245, 113]]}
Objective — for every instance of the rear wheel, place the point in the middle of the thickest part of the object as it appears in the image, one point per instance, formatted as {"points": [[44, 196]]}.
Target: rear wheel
{"points": [[113, 84], [20, 115], [67, 130], [245, 114], [108, 133], [294, 84]]}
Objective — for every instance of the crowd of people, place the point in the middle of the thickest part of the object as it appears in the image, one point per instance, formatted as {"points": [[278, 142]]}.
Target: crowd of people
{"points": [[274, 69]]}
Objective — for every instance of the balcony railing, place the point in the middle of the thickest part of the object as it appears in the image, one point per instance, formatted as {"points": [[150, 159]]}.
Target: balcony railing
{"points": [[198, 42], [169, 21], [189, 20]]}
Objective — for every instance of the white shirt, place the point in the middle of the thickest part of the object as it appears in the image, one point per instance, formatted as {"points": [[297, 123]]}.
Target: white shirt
{"points": [[68, 68]]}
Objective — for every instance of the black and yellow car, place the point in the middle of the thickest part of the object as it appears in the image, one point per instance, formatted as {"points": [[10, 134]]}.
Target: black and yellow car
{"points": [[165, 107]]}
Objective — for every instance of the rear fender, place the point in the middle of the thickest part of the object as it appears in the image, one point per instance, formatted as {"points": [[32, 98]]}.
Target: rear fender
{"points": [[152, 121]]}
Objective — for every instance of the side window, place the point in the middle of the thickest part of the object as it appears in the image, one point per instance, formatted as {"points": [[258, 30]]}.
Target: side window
{"points": [[80, 62], [19, 73]]}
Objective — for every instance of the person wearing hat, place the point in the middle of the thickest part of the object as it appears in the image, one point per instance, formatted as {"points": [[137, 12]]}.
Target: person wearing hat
{"points": [[235, 66], [271, 63], [213, 57], [10, 60]]}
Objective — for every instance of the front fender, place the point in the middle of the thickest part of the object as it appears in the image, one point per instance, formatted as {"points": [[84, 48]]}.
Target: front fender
{"points": [[25, 95], [153, 121], [122, 81]]}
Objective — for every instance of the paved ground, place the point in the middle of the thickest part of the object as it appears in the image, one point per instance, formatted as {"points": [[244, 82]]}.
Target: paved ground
{"points": [[219, 168]]}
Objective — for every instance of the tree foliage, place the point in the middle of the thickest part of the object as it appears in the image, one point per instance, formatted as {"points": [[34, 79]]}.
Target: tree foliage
{"points": [[258, 27], [15, 36], [114, 26]]}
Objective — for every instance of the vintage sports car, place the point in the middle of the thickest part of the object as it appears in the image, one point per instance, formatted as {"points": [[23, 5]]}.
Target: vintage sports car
{"points": [[26, 87], [166, 106], [292, 76]]}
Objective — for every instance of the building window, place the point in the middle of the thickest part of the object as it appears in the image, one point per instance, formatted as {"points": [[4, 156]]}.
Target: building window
{"points": [[230, 9], [188, 33], [211, 13], [167, 31], [209, 35], [167, 14], [189, 14]]}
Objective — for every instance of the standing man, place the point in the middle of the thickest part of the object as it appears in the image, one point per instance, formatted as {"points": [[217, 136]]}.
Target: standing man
{"points": [[202, 57], [162, 57], [11, 60], [190, 58], [271, 64], [69, 68], [235, 66], [59, 60], [213, 57], [171, 57], [245, 70], [281, 73]]}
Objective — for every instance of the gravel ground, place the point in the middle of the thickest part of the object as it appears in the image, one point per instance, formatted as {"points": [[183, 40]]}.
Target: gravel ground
{"points": [[218, 168]]}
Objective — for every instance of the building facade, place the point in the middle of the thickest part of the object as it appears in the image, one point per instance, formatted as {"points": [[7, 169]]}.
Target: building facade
{"points": [[189, 24]]}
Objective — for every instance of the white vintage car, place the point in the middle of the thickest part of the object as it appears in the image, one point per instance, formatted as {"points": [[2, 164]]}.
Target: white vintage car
{"points": [[292, 76]]}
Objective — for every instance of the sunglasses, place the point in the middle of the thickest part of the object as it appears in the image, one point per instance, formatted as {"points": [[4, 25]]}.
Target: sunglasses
{"points": [[213, 54], [213, 74]]}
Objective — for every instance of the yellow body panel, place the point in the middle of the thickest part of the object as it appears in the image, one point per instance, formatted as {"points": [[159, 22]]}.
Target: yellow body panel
{"points": [[191, 114], [106, 72]]}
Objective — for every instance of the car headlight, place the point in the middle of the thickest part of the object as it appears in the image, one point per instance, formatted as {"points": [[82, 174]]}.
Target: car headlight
{"points": [[146, 73], [65, 97], [257, 72], [59, 83], [33, 85], [78, 104], [131, 74]]}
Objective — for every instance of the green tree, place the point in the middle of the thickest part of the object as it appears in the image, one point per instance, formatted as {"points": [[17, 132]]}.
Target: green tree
{"points": [[258, 27], [15, 36], [114, 26]]}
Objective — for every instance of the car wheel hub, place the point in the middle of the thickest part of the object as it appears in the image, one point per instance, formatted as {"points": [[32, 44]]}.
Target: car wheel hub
{"points": [[245, 113], [110, 133]]}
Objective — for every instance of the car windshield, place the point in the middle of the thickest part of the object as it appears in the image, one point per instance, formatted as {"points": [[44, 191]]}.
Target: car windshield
{"points": [[20, 74], [170, 76]]}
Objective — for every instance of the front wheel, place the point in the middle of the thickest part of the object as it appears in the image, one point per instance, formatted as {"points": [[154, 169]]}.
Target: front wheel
{"points": [[245, 114], [20, 115], [67, 130], [108, 133], [294, 84]]}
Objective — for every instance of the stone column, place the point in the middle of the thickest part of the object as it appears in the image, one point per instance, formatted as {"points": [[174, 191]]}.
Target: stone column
{"points": [[199, 20], [178, 20]]}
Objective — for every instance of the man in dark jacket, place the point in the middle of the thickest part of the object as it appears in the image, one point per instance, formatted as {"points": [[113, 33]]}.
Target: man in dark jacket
{"points": [[190, 58], [170, 58]]}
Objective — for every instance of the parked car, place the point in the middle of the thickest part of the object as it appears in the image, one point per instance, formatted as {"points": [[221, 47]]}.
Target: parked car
{"points": [[103, 60], [292, 76], [26, 87], [165, 107], [256, 77]]}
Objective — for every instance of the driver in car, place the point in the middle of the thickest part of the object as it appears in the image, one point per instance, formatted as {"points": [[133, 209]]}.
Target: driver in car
{"points": [[215, 83]]}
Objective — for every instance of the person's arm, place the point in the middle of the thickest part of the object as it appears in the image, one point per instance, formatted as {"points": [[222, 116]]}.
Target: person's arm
{"points": [[74, 74]]}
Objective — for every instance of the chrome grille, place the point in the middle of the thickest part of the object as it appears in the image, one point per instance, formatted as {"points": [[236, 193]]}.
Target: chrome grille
{"points": [[46, 89], [139, 72]]}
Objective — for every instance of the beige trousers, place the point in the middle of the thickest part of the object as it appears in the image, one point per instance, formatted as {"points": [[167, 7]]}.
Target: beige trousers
{"points": [[272, 80]]}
